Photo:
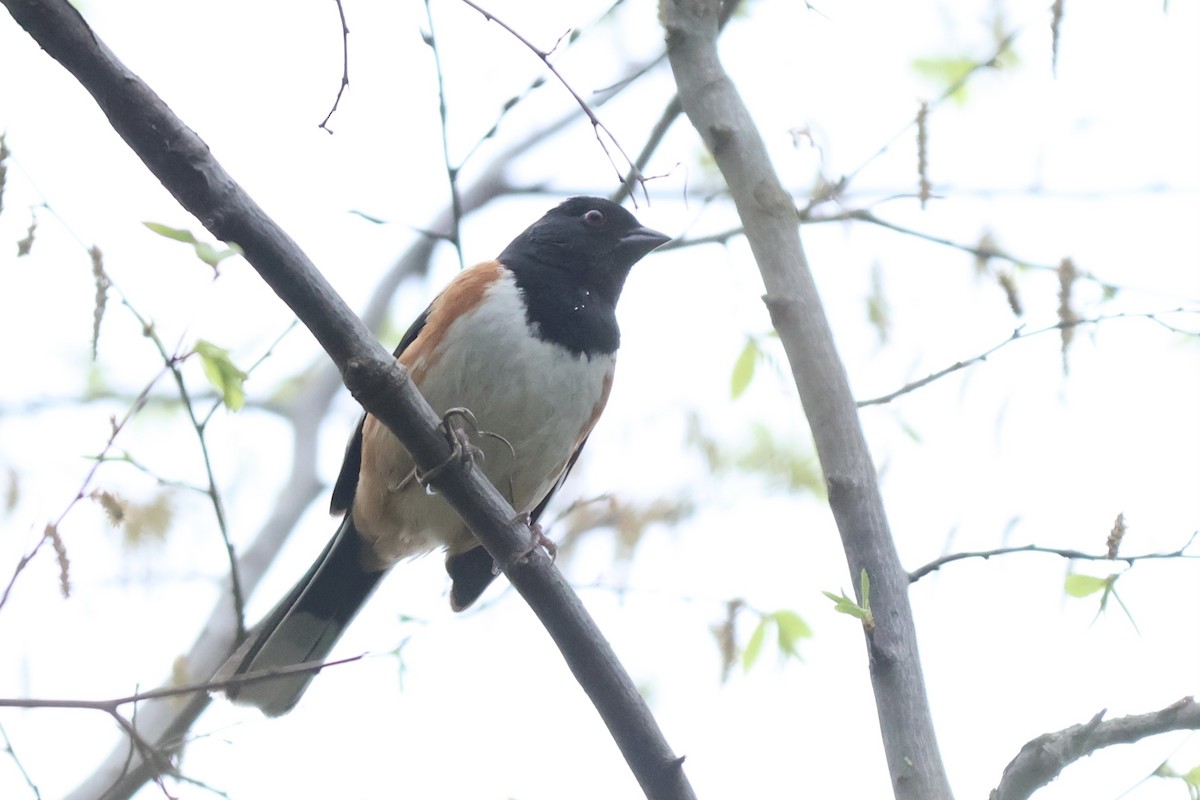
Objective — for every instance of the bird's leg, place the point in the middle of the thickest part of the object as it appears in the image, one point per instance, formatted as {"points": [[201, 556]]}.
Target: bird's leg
{"points": [[538, 538], [461, 447]]}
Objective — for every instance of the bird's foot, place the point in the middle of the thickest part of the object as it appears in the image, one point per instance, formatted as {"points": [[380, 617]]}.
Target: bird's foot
{"points": [[538, 539], [462, 449]]}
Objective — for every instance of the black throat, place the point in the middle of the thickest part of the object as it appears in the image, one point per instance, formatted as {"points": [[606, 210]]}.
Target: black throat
{"points": [[562, 310]]}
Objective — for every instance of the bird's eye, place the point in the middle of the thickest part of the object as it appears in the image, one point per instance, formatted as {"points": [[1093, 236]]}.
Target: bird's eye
{"points": [[594, 218]]}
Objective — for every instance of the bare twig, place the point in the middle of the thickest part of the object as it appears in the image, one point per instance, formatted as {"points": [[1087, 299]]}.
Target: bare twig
{"points": [[865, 215], [8, 748], [671, 113], [112, 705], [950, 91], [51, 532], [1042, 759], [1079, 555], [597, 126], [160, 757], [455, 236], [172, 362], [1017, 335], [345, 68]]}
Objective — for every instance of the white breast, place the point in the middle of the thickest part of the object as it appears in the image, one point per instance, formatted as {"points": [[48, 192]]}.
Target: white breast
{"points": [[539, 397]]}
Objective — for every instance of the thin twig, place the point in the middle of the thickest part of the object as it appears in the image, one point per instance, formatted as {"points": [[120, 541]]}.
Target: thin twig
{"points": [[950, 91], [597, 125], [1018, 334], [161, 758], [451, 170], [665, 120], [52, 528], [345, 68], [1077, 555], [172, 363], [8, 748], [865, 215], [112, 704]]}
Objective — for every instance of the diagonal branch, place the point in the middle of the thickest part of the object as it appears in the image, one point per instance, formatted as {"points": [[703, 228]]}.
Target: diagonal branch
{"points": [[716, 110], [1042, 759], [183, 163]]}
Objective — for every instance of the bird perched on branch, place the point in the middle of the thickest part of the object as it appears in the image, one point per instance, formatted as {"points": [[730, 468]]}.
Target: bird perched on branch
{"points": [[527, 344]]}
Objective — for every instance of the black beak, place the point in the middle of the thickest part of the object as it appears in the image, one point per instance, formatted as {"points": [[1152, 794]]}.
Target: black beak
{"points": [[641, 240]]}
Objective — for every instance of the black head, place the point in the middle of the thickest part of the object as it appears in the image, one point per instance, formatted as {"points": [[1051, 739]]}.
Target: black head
{"points": [[571, 265], [589, 240]]}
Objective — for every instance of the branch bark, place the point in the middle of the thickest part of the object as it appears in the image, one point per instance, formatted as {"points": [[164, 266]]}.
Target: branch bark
{"points": [[1042, 759], [771, 224], [182, 162]]}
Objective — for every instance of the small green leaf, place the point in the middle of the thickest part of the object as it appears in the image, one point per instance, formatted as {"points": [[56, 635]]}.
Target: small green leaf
{"points": [[791, 630], [755, 645], [743, 368], [946, 71], [846, 605], [206, 252], [1082, 585], [225, 377], [178, 234], [212, 256]]}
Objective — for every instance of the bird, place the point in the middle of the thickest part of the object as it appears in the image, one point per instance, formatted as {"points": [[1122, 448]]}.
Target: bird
{"points": [[525, 346]]}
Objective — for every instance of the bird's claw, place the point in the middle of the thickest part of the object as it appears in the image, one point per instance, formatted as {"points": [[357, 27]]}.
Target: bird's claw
{"points": [[462, 449], [538, 539]]}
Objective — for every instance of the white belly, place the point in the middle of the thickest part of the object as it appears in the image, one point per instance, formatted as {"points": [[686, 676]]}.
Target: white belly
{"points": [[541, 398]]}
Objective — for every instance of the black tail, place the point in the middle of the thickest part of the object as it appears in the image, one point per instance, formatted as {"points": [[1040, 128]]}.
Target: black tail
{"points": [[304, 626]]}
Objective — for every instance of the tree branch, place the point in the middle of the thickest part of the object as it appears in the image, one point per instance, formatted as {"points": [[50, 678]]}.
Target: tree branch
{"points": [[1018, 334], [1042, 759], [1078, 555], [772, 228], [182, 162]]}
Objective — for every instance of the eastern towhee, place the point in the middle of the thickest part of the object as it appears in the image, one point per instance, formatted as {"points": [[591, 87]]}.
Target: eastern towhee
{"points": [[527, 342]]}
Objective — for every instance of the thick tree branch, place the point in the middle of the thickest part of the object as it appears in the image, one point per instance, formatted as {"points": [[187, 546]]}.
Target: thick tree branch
{"points": [[182, 162], [1042, 759], [772, 228]]}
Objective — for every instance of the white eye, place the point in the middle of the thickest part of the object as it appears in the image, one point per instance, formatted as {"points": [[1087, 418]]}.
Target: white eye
{"points": [[594, 218]]}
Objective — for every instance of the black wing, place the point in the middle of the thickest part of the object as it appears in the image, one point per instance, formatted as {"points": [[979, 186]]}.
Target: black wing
{"points": [[347, 480]]}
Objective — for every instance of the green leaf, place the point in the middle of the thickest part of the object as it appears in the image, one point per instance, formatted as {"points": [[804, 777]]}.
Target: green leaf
{"points": [[791, 630], [178, 234], [206, 252], [743, 368], [864, 589], [1082, 585], [225, 377], [846, 605], [946, 71], [755, 645]]}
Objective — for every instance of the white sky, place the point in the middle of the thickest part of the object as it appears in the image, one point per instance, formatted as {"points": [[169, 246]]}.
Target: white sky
{"points": [[1005, 452]]}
